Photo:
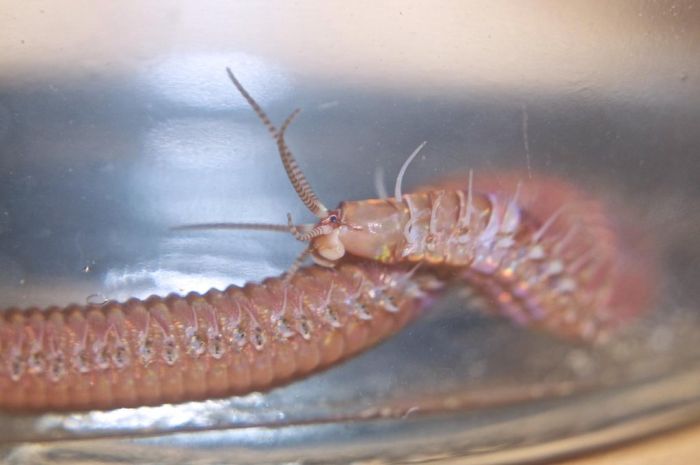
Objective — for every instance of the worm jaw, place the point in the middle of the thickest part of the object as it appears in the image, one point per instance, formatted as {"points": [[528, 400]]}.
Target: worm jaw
{"points": [[325, 245], [328, 247]]}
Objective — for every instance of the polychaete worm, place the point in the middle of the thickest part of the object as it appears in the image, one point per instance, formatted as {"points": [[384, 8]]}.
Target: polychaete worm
{"points": [[547, 253]]}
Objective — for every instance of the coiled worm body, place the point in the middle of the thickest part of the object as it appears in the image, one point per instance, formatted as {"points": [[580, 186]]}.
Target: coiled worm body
{"points": [[560, 270], [547, 253], [576, 265]]}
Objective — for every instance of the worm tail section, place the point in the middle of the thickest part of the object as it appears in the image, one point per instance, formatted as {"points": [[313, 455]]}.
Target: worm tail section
{"points": [[547, 254], [176, 349]]}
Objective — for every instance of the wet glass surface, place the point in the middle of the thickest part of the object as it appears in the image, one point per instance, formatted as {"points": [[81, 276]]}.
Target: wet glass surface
{"points": [[101, 153]]}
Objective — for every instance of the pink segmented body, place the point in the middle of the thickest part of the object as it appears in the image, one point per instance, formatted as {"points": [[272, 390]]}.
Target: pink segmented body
{"points": [[175, 349], [548, 254]]}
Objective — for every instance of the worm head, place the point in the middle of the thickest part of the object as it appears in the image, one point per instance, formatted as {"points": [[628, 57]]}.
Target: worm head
{"points": [[371, 229], [325, 244], [327, 247]]}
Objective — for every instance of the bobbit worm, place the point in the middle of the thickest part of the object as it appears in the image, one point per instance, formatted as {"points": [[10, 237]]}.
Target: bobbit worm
{"points": [[560, 265], [175, 349], [545, 251]]}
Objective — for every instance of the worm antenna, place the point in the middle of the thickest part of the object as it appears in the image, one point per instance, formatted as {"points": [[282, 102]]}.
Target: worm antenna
{"points": [[296, 176], [253, 104], [296, 265], [306, 236], [294, 173], [233, 226], [402, 171], [379, 185]]}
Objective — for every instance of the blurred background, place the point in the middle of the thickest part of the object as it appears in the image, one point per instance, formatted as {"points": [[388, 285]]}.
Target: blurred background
{"points": [[117, 122]]}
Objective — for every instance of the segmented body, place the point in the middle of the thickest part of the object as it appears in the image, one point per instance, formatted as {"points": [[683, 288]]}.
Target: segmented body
{"points": [[545, 252], [176, 348], [587, 269], [548, 254]]}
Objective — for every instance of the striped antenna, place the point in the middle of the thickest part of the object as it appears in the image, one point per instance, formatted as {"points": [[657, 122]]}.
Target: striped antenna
{"points": [[294, 173]]}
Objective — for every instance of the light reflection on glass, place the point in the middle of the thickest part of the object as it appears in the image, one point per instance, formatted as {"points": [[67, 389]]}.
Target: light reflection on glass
{"points": [[243, 409], [203, 170], [199, 80], [199, 170], [154, 281]]}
